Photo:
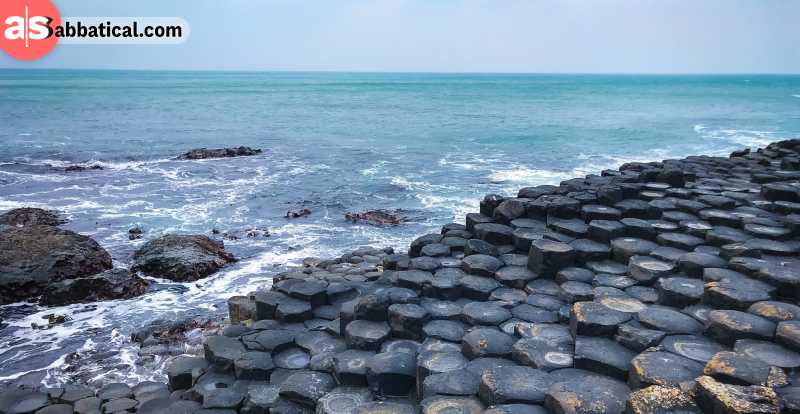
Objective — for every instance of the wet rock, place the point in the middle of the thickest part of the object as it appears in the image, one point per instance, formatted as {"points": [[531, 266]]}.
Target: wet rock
{"points": [[34, 256], [108, 285], [29, 216], [481, 265], [292, 358], [716, 397], [775, 311], [88, 405], [307, 387], [546, 353], [184, 370], [484, 313], [548, 257], [254, 365], [584, 392], [727, 326], [514, 276], [595, 319], [343, 400], [494, 233], [486, 342], [460, 382], [634, 336], [511, 384], [205, 153], [662, 368], [366, 335], [626, 247], [433, 363], [449, 404], [19, 401], [669, 320], [788, 334], [391, 374], [603, 356], [385, 407], [738, 369], [445, 330], [605, 230], [222, 350], [56, 409], [660, 399], [181, 258], [478, 287], [377, 217], [679, 291], [694, 347]]}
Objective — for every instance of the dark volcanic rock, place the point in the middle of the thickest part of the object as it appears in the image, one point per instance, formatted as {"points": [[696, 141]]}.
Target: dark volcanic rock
{"points": [[33, 256], [204, 153], [584, 392], [660, 399], [512, 384], [29, 216], [715, 397], [112, 284], [181, 258]]}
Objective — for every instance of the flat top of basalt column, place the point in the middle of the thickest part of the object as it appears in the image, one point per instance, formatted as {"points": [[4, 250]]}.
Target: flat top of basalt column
{"points": [[513, 384], [487, 342], [607, 266], [597, 313], [663, 368], [586, 391], [669, 320], [694, 347], [768, 352], [775, 311], [484, 313]]}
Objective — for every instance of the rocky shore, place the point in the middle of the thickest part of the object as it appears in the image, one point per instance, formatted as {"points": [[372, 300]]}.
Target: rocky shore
{"points": [[660, 287]]}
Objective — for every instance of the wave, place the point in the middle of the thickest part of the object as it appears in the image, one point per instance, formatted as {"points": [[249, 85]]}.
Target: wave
{"points": [[739, 137], [796, 95]]}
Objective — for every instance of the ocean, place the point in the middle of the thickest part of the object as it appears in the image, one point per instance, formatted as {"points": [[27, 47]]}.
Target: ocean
{"points": [[428, 145]]}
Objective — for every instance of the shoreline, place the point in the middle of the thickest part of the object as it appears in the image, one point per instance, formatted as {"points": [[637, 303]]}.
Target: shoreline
{"points": [[600, 277]]}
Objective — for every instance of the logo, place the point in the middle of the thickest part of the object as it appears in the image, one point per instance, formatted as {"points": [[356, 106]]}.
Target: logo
{"points": [[27, 26]]}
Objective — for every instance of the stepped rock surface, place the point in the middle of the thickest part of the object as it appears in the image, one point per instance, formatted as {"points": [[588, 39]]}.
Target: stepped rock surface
{"points": [[659, 287]]}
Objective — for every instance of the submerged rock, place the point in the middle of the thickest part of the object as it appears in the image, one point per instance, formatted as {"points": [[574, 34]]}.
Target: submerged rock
{"points": [[112, 284], [376, 217], [29, 216], [33, 256], [81, 168], [181, 258], [204, 153]]}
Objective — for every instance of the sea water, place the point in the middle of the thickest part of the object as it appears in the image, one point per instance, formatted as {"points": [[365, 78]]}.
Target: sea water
{"points": [[429, 145]]}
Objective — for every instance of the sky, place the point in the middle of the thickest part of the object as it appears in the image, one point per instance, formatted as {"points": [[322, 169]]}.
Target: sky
{"points": [[510, 36]]}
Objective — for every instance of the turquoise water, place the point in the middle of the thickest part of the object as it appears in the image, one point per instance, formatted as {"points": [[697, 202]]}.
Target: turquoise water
{"points": [[429, 144]]}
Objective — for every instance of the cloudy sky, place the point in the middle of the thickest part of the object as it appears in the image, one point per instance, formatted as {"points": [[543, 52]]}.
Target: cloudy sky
{"points": [[587, 36]]}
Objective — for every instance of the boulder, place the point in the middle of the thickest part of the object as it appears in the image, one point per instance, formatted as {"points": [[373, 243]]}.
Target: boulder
{"points": [[204, 153], [29, 216], [33, 256], [108, 285], [376, 217], [181, 258]]}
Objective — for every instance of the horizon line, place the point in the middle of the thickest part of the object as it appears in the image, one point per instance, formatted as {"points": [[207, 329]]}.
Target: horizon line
{"points": [[413, 72]]}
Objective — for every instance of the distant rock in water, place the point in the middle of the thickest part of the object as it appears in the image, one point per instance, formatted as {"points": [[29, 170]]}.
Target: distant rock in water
{"points": [[80, 168], [29, 216], [135, 233], [181, 258], [298, 213], [377, 217], [112, 284], [31, 257], [203, 153]]}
